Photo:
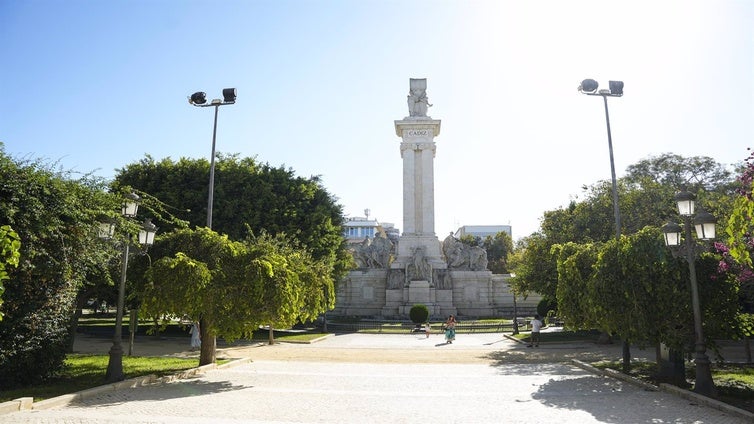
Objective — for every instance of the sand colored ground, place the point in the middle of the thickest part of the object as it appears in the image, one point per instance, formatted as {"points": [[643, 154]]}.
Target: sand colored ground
{"points": [[408, 348]]}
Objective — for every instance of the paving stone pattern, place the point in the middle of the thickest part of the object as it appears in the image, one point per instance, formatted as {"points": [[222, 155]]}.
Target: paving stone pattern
{"points": [[301, 391]]}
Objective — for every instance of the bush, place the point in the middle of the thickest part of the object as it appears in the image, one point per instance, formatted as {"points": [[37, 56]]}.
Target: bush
{"points": [[419, 313], [53, 216], [546, 305]]}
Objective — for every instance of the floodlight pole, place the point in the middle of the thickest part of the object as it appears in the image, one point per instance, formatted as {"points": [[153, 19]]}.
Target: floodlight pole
{"points": [[199, 99], [589, 87], [616, 210], [212, 172]]}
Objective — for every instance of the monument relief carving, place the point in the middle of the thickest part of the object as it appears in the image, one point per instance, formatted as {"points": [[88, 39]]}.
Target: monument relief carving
{"points": [[419, 268], [396, 279], [462, 257], [373, 253]]}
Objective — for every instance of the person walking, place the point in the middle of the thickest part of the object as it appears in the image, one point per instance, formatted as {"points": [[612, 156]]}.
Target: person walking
{"points": [[536, 326], [427, 328], [450, 329], [196, 338]]}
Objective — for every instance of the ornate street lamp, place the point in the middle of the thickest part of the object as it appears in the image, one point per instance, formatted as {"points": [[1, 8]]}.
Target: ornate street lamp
{"points": [[705, 230], [199, 99], [146, 238]]}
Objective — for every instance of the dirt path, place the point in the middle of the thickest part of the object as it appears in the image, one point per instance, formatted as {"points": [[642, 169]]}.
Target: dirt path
{"points": [[374, 349]]}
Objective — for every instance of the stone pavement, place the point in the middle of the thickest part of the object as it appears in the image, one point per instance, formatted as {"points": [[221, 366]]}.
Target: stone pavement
{"points": [[358, 378]]}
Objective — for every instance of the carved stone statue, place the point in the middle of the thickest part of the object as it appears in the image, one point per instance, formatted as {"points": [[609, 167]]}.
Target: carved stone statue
{"points": [[451, 247], [396, 279], [380, 251], [373, 253], [419, 268], [361, 255], [417, 97], [462, 257], [442, 279]]}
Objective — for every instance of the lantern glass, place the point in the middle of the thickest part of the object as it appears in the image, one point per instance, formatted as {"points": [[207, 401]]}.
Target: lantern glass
{"points": [[705, 225], [147, 233], [685, 202], [686, 207], [106, 230], [131, 205], [672, 233]]}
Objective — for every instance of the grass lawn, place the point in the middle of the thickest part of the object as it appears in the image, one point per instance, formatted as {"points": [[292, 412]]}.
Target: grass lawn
{"points": [[735, 383], [86, 371]]}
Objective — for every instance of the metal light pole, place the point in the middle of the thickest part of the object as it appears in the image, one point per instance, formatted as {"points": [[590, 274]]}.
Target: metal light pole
{"points": [[199, 99], [146, 237], [705, 229], [589, 87]]}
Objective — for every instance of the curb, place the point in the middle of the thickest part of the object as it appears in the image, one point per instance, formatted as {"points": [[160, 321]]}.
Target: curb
{"points": [[668, 388], [704, 400], [27, 403]]}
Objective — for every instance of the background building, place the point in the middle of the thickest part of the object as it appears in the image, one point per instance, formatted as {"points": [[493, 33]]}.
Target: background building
{"points": [[357, 228], [482, 231]]}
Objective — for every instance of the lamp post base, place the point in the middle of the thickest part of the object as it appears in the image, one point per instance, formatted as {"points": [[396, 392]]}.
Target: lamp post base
{"points": [[115, 365], [704, 385]]}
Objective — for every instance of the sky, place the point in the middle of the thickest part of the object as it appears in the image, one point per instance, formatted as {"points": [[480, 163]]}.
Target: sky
{"points": [[92, 86]]}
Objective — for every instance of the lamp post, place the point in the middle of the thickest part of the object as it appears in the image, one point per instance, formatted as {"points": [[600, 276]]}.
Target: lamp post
{"points": [[146, 238], [199, 99], [590, 88], [705, 230]]}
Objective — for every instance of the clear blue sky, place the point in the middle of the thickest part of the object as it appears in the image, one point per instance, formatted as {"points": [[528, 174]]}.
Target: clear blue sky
{"points": [[96, 85]]}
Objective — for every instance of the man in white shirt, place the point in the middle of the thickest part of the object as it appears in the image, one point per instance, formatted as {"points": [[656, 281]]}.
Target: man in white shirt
{"points": [[536, 325]]}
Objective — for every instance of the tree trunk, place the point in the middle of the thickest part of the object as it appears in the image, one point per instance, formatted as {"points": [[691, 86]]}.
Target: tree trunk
{"points": [[132, 326], [626, 357], [271, 337], [209, 343], [73, 324]]}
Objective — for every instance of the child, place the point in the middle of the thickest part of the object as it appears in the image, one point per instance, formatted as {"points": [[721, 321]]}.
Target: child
{"points": [[427, 328]]}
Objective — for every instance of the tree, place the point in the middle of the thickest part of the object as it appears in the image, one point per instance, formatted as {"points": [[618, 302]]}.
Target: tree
{"points": [[575, 264], [55, 218], [9, 247], [671, 170], [232, 287], [498, 248], [740, 226], [249, 197], [535, 267]]}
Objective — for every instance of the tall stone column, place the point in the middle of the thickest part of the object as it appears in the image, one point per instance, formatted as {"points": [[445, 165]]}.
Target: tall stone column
{"points": [[418, 153]]}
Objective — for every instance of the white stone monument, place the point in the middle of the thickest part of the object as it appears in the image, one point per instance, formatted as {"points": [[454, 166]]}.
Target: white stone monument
{"points": [[418, 255], [447, 277]]}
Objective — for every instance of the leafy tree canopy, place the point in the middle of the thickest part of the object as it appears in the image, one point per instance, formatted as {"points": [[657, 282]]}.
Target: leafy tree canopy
{"points": [[249, 197], [55, 217]]}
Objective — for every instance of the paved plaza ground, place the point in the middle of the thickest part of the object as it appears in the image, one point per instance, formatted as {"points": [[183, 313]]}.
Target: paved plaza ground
{"points": [[406, 378]]}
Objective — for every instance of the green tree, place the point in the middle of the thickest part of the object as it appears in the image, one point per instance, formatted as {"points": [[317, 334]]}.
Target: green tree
{"points": [[55, 218], [248, 197], [535, 267], [499, 248], [739, 228], [9, 247], [232, 287], [575, 264]]}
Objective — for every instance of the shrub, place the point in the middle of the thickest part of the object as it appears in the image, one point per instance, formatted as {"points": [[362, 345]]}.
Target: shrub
{"points": [[419, 313], [545, 306]]}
